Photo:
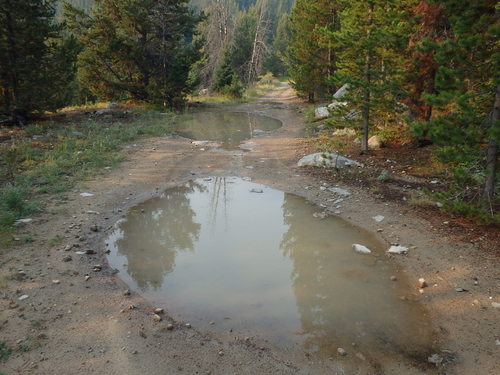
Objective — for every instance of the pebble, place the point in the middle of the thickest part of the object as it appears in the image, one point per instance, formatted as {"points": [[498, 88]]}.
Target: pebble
{"points": [[221, 353], [361, 249], [97, 268], [378, 218], [460, 290], [435, 359], [126, 293], [170, 327], [156, 318], [422, 283], [395, 249], [56, 282], [23, 297], [87, 278], [67, 258], [158, 311], [394, 278], [341, 351], [188, 325]]}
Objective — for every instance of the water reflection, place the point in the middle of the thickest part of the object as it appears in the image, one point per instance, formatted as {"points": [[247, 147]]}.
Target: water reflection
{"points": [[229, 128], [155, 232], [213, 249]]}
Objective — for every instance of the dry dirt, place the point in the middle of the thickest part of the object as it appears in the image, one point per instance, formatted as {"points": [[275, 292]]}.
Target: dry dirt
{"points": [[80, 326]]}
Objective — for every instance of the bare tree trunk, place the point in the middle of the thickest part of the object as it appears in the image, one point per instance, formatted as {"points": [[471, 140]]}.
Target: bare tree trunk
{"points": [[259, 45], [492, 156]]}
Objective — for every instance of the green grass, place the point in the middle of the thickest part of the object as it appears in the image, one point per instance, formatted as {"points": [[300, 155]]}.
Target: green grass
{"points": [[4, 351], [33, 170]]}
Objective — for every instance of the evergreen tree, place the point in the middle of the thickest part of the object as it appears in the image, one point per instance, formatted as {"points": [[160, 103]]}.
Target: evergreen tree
{"points": [[276, 61], [136, 49], [371, 41], [466, 119], [311, 57], [36, 64]]}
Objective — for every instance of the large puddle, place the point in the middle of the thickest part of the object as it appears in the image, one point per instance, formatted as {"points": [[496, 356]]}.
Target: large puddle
{"points": [[227, 254], [229, 128]]}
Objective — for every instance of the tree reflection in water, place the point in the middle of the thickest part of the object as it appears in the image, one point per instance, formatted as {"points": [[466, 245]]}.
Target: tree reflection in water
{"points": [[155, 232], [340, 295]]}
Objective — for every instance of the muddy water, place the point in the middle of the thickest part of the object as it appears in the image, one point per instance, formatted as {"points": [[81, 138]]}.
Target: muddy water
{"points": [[228, 128], [224, 258]]}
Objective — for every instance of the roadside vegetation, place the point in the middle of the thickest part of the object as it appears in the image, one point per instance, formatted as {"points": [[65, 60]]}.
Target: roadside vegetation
{"points": [[47, 158]]}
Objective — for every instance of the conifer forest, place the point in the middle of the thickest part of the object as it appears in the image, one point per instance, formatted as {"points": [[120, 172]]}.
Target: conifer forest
{"points": [[390, 106]]}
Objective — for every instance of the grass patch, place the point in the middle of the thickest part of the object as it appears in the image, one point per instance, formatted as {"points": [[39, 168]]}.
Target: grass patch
{"points": [[55, 241], [4, 351], [48, 158]]}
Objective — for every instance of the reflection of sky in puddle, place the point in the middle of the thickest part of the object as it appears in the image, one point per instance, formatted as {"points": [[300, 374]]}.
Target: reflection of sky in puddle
{"points": [[229, 128], [211, 250]]}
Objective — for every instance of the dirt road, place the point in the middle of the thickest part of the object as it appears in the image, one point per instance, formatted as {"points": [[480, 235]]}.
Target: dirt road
{"points": [[78, 318]]}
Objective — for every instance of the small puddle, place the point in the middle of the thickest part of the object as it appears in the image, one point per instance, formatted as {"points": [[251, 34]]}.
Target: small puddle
{"points": [[229, 128], [227, 254]]}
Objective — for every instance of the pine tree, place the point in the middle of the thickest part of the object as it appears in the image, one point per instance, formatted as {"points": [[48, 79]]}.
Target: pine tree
{"points": [[136, 49], [311, 57], [371, 41], [37, 63], [466, 120], [276, 61]]}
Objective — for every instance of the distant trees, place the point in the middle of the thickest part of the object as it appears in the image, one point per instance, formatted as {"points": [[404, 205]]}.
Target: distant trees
{"points": [[37, 62], [139, 49], [311, 57]]}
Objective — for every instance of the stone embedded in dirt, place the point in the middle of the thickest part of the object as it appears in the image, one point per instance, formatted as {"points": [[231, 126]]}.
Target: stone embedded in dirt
{"points": [[87, 278], [340, 191], [221, 353], [422, 283], [80, 252], [67, 258], [460, 290], [94, 228], [68, 247], [126, 293], [23, 297], [56, 282], [156, 318], [374, 142], [21, 222], [90, 252], [97, 268], [170, 327], [341, 351], [495, 305], [361, 249], [435, 359], [327, 160], [394, 278], [187, 325], [321, 113], [394, 249], [159, 310], [378, 218], [86, 194], [258, 191]]}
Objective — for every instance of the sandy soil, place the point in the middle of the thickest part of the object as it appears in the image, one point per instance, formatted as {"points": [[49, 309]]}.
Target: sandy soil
{"points": [[79, 326]]}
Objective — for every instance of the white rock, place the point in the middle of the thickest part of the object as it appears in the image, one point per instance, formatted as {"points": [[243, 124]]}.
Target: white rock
{"points": [[361, 249], [341, 92], [200, 143], [23, 221], [334, 105], [341, 351], [496, 305], [23, 297], [328, 160], [378, 218], [340, 191], [397, 250], [87, 194], [435, 359], [321, 113], [374, 142]]}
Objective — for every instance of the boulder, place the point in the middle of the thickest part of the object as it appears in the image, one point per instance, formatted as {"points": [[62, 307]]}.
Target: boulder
{"points": [[374, 142], [341, 92], [328, 160], [321, 113]]}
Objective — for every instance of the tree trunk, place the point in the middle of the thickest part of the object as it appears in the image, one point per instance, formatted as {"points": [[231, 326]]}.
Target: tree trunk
{"points": [[492, 156], [367, 82]]}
